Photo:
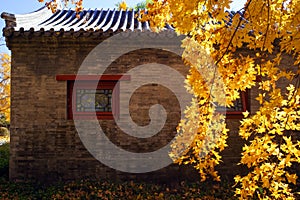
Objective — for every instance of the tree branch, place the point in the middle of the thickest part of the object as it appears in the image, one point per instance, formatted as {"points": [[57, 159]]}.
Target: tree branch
{"points": [[235, 31]]}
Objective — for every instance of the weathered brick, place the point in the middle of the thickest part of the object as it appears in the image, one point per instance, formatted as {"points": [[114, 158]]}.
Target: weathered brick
{"points": [[45, 145]]}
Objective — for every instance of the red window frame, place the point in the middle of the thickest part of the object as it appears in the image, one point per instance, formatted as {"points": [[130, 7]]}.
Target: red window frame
{"points": [[71, 99], [245, 106], [111, 82], [105, 81]]}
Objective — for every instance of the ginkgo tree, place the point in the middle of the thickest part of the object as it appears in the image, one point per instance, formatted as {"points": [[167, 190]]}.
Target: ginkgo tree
{"points": [[270, 30], [5, 85]]}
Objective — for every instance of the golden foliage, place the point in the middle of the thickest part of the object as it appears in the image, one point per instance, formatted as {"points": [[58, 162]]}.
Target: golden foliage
{"points": [[269, 31], [122, 5], [271, 151], [53, 5], [5, 85]]}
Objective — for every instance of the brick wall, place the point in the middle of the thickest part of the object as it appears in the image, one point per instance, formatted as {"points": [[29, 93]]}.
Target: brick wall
{"points": [[45, 145]]}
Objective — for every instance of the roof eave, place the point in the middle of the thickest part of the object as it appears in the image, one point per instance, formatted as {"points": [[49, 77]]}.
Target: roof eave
{"points": [[10, 20]]}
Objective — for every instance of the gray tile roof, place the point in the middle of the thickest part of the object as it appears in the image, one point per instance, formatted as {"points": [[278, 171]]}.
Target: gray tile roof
{"points": [[65, 21], [91, 22]]}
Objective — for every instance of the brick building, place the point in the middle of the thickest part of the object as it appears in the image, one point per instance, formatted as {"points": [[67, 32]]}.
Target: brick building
{"points": [[48, 51]]}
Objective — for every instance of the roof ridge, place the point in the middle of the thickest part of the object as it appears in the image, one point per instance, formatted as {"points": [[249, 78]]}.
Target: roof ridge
{"points": [[65, 20]]}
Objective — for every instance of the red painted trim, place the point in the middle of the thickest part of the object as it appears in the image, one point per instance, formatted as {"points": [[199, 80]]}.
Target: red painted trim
{"points": [[239, 114], [234, 112], [236, 116], [111, 82], [244, 100], [116, 100], [258, 78], [104, 77], [70, 86], [71, 100], [91, 117]]}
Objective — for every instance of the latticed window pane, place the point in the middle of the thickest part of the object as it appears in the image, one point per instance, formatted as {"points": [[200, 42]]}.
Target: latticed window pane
{"points": [[88, 100], [237, 106]]}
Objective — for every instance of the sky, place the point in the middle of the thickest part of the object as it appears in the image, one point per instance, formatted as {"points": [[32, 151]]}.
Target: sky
{"points": [[27, 6]]}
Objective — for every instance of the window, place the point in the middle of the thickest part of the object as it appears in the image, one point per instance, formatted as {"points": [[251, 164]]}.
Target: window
{"points": [[84, 101], [240, 105]]}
